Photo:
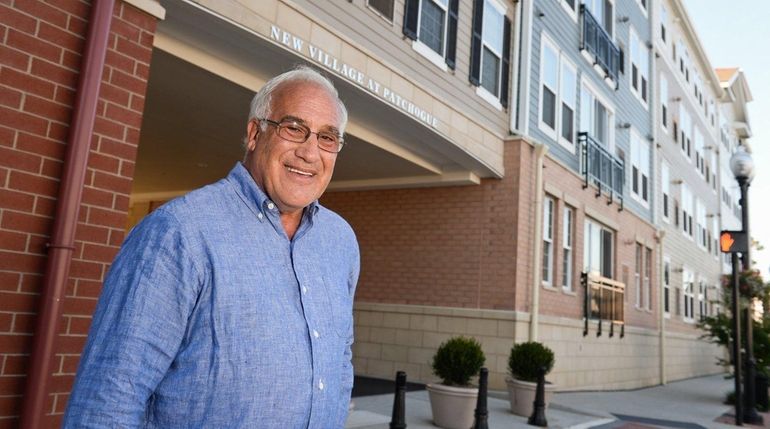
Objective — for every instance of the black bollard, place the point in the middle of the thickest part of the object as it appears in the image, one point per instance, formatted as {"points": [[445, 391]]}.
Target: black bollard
{"points": [[398, 419], [481, 414], [538, 412]]}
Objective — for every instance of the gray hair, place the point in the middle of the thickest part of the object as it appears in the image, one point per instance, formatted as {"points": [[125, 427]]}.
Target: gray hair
{"points": [[261, 103]]}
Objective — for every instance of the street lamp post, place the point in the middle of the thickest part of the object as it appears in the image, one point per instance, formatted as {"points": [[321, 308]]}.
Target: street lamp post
{"points": [[742, 166]]}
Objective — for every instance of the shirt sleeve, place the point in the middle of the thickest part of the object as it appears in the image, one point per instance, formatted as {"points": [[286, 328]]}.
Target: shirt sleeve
{"points": [[138, 326]]}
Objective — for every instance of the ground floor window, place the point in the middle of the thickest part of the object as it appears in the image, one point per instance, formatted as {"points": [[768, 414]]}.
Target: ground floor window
{"points": [[598, 246]]}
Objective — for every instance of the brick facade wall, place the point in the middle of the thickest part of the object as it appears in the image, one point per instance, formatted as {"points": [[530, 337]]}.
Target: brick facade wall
{"points": [[40, 58]]}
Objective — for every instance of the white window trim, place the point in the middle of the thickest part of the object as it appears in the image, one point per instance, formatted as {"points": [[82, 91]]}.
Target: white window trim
{"points": [[572, 13], [633, 36], [423, 49], [638, 197], [430, 54], [572, 147], [664, 102], [643, 9], [568, 225], [552, 133], [665, 189], [371, 8], [482, 92], [667, 312], [638, 274], [685, 317], [585, 83], [546, 226]]}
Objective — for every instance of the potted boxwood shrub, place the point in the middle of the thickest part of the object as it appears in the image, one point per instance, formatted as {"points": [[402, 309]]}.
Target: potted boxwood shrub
{"points": [[523, 364], [453, 401]]}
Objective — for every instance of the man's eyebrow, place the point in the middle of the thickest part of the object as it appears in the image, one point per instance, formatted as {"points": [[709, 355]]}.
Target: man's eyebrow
{"points": [[328, 128]]}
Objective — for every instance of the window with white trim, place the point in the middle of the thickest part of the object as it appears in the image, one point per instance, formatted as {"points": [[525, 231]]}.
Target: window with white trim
{"points": [[702, 232], [640, 168], [566, 251], [640, 62], [568, 92], [701, 299], [383, 7], [598, 253], [647, 281], [549, 85], [688, 210], [715, 235], [685, 130], [663, 21], [665, 190], [558, 94], [549, 207], [688, 288], [700, 165], [638, 275], [663, 103], [667, 285], [432, 25], [596, 117], [492, 47], [571, 7], [604, 12]]}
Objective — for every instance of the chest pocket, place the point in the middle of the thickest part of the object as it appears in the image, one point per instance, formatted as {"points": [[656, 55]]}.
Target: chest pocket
{"points": [[339, 306]]}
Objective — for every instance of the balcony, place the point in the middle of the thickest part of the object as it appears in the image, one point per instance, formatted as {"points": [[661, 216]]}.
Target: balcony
{"points": [[604, 301], [599, 44], [601, 168]]}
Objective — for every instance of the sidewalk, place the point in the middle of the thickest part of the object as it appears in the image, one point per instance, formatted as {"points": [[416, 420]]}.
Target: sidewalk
{"points": [[692, 404]]}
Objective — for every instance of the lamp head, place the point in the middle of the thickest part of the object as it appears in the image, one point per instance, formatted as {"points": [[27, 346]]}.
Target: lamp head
{"points": [[742, 165]]}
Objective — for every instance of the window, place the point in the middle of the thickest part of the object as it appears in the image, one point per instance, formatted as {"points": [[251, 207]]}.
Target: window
{"points": [[638, 275], [383, 7], [598, 249], [640, 57], [567, 240], [700, 164], [603, 11], [665, 190], [595, 117], [432, 25], [549, 80], [492, 48], [663, 103], [667, 285], [640, 168], [568, 102], [688, 288], [571, 7], [647, 277], [558, 96], [663, 21], [701, 300], [490, 51], [702, 233], [685, 130], [688, 207], [549, 206]]}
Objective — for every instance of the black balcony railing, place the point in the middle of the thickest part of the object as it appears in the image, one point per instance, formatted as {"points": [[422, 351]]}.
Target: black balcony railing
{"points": [[599, 167], [597, 42]]}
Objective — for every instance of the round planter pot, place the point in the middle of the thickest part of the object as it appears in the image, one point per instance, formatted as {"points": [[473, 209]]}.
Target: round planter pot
{"points": [[521, 394], [452, 407]]}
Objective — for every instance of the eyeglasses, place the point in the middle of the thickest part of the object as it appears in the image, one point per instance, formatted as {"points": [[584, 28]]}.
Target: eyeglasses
{"points": [[296, 132]]}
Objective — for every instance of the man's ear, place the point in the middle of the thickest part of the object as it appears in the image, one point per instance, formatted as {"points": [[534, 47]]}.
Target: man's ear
{"points": [[252, 131]]}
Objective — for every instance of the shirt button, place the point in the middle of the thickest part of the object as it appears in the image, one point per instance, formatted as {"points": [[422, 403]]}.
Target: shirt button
{"points": [[316, 334], [321, 385], [270, 206], [304, 289], [259, 215]]}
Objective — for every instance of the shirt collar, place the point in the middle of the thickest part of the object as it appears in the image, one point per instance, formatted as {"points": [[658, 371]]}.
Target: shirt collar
{"points": [[254, 197]]}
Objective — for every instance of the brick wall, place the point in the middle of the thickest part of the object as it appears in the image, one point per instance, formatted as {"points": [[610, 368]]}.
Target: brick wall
{"points": [[449, 246], [40, 58]]}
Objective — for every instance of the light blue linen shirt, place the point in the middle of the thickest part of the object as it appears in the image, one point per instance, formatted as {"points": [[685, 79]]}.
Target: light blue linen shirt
{"points": [[211, 317]]}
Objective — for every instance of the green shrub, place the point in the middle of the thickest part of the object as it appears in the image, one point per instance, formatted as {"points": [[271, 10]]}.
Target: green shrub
{"points": [[526, 358], [457, 360]]}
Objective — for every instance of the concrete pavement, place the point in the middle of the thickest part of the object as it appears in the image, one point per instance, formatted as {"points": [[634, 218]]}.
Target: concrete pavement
{"points": [[691, 404]]}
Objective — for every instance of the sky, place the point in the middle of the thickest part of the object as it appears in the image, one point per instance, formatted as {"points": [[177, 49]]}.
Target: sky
{"points": [[737, 34]]}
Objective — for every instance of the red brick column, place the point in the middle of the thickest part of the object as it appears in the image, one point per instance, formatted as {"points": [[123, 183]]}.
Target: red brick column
{"points": [[40, 57]]}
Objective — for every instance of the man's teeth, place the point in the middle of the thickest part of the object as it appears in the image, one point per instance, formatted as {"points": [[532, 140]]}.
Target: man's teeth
{"points": [[304, 173]]}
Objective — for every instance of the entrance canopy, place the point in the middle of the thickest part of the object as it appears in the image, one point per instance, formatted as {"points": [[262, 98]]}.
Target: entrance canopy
{"points": [[205, 70]]}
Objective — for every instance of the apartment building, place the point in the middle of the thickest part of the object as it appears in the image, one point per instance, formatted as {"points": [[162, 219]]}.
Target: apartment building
{"points": [[513, 170]]}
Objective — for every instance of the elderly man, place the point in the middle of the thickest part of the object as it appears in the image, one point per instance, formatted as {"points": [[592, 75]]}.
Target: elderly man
{"points": [[232, 306]]}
